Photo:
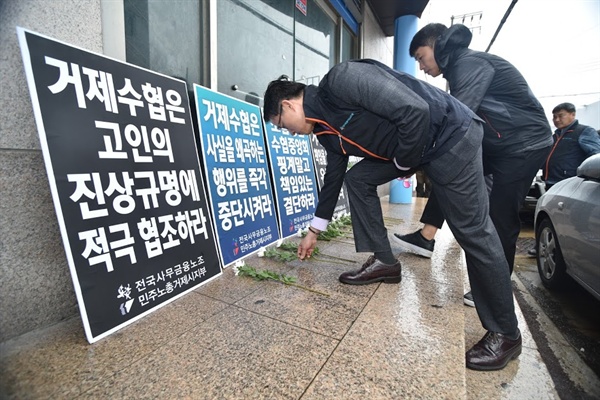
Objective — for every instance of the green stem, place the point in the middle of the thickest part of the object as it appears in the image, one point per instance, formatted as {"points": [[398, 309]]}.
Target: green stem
{"points": [[334, 257], [329, 261], [340, 241]]}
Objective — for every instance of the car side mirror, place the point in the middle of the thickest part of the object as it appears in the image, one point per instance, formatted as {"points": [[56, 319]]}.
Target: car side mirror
{"points": [[590, 167]]}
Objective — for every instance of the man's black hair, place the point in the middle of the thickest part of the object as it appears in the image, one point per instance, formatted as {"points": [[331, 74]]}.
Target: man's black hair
{"points": [[277, 91], [568, 107], [426, 37]]}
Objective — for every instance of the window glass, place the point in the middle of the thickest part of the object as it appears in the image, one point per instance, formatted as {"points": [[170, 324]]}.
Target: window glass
{"points": [[165, 36], [315, 44], [348, 44], [257, 41], [255, 45]]}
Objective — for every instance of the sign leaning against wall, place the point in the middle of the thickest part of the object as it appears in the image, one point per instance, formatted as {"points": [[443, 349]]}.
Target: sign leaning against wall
{"points": [[342, 207], [123, 169], [237, 173], [294, 180]]}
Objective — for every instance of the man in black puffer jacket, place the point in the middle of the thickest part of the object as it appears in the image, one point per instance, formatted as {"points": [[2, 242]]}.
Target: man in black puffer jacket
{"points": [[398, 123], [517, 136]]}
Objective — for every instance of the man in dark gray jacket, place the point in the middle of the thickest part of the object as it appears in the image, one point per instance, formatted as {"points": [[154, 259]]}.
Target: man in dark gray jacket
{"points": [[517, 136], [397, 123]]}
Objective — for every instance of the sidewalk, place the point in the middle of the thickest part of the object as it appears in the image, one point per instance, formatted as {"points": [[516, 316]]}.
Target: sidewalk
{"points": [[236, 338]]}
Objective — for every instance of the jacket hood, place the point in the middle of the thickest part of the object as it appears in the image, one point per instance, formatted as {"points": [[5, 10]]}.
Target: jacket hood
{"points": [[457, 37]]}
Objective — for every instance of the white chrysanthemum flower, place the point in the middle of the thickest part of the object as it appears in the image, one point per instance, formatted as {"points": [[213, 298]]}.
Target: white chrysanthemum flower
{"points": [[261, 252], [237, 266]]}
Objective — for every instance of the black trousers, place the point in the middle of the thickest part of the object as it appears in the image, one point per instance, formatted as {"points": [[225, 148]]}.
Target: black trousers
{"points": [[511, 179], [463, 196]]}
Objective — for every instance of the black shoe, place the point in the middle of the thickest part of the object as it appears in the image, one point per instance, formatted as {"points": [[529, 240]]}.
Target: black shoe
{"points": [[416, 243], [532, 252], [468, 299], [493, 352], [349, 274], [373, 271]]}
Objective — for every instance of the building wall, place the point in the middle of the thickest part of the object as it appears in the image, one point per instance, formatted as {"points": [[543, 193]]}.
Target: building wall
{"points": [[35, 283], [589, 115], [375, 44], [36, 289]]}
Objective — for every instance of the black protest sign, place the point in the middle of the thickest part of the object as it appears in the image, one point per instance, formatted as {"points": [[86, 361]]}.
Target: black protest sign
{"points": [[123, 168]]}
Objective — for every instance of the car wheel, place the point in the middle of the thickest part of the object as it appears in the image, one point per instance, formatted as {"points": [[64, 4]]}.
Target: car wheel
{"points": [[551, 265]]}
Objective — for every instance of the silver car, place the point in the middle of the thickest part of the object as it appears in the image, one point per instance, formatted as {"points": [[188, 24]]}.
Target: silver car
{"points": [[567, 230]]}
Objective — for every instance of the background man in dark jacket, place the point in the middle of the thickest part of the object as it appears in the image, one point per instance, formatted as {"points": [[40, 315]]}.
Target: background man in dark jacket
{"points": [[573, 143], [516, 140], [397, 123]]}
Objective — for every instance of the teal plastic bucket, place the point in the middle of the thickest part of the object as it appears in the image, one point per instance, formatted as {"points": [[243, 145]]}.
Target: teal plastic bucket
{"points": [[401, 191]]}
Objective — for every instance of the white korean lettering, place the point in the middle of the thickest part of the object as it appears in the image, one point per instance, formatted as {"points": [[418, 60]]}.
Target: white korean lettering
{"points": [[123, 247], [169, 182], [128, 95], [161, 139], [210, 112], [96, 242], [148, 194], [65, 78], [148, 231], [123, 203], [154, 98], [168, 231], [101, 87], [173, 106], [81, 190], [135, 137], [110, 152]]}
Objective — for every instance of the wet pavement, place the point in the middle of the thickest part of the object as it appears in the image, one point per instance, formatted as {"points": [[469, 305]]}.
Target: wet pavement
{"points": [[237, 338], [565, 325]]}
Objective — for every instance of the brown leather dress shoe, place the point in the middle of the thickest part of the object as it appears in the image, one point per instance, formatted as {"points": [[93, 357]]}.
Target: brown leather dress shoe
{"points": [[493, 352], [373, 271], [348, 274]]}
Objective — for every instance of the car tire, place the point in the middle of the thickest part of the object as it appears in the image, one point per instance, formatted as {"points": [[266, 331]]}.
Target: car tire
{"points": [[550, 261]]}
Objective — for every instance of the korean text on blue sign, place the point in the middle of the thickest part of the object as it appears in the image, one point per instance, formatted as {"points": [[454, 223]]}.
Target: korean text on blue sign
{"points": [[123, 168], [237, 174], [294, 178]]}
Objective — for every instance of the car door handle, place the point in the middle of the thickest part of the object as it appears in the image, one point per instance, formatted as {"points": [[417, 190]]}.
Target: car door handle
{"points": [[561, 205]]}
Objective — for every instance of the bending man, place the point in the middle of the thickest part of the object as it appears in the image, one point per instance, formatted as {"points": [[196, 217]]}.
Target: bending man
{"points": [[397, 123], [517, 136]]}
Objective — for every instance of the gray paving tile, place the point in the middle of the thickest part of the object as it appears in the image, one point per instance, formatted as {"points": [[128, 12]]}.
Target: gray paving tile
{"points": [[400, 347], [60, 360], [236, 354], [330, 312]]}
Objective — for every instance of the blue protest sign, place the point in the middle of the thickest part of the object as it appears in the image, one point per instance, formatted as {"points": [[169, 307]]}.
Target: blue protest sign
{"points": [[237, 174], [294, 179]]}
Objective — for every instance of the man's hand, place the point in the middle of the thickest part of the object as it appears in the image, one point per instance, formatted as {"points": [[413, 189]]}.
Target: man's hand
{"points": [[307, 245]]}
